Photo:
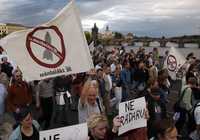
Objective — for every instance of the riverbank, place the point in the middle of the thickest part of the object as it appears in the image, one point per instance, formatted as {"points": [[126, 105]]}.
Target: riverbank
{"points": [[184, 51]]}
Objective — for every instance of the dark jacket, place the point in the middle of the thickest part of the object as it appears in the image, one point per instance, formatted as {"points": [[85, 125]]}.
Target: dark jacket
{"points": [[102, 89], [152, 103], [141, 75], [151, 107], [7, 68]]}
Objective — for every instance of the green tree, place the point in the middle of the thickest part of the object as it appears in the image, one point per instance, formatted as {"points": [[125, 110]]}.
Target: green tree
{"points": [[198, 42], [88, 37], [3, 35], [118, 35]]}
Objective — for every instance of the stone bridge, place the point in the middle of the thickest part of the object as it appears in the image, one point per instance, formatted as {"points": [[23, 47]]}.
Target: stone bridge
{"points": [[163, 41]]}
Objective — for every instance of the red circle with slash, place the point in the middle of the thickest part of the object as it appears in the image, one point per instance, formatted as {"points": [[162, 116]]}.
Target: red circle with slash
{"points": [[171, 63], [32, 39]]}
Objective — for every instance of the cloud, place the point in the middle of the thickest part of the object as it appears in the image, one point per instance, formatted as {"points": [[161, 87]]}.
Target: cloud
{"points": [[157, 18], [142, 17], [29, 12]]}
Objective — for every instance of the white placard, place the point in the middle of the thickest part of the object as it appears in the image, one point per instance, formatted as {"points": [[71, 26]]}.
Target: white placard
{"points": [[132, 114], [75, 132]]}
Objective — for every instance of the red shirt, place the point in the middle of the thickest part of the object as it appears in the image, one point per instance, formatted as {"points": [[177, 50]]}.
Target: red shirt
{"points": [[19, 94]]}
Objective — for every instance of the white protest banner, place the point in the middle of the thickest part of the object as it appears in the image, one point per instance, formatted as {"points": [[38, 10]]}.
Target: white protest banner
{"points": [[174, 62], [132, 114], [75, 132], [91, 46], [55, 48]]}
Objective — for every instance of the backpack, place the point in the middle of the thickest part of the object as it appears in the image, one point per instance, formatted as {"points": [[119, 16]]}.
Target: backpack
{"points": [[176, 106], [192, 122], [196, 93]]}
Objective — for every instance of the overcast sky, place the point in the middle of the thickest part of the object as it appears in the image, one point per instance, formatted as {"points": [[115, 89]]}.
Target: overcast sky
{"points": [[141, 17]]}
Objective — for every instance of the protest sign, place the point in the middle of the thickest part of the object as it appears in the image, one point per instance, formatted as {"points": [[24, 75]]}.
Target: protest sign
{"points": [[132, 114], [174, 62], [91, 47], [55, 48], [75, 132]]}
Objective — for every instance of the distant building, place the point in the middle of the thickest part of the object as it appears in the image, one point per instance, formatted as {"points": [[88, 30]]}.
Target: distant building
{"points": [[107, 33], [3, 29], [8, 28], [129, 39], [129, 36]]}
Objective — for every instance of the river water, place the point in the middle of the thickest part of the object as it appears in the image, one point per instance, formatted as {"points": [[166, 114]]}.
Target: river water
{"points": [[184, 51]]}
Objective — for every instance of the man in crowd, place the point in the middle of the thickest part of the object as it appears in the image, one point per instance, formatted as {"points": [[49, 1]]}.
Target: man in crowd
{"points": [[44, 100], [19, 93], [6, 66]]}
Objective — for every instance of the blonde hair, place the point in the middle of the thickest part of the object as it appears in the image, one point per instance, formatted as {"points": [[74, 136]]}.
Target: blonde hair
{"points": [[5, 130], [95, 119], [16, 71], [89, 84]]}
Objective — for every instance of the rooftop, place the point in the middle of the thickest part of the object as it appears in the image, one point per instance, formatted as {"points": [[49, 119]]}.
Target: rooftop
{"points": [[2, 24], [15, 24]]}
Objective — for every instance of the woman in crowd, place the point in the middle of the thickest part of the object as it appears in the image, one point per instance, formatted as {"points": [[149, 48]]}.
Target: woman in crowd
{"points": [[5, 130], [98, 127], [140, 76], [164, 84], [3, 94], [28, 129], [165, 130], [155, 55], [152, 72], [125, 76], [89, 101], [117, 84], [4, 78]]}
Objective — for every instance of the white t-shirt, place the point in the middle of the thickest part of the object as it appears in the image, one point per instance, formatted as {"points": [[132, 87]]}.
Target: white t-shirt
{"points": [[194, 135], [150, 60], [97, 67], [197, 114], [108, 82], [85, 110], [3, 94], [112, 67]]}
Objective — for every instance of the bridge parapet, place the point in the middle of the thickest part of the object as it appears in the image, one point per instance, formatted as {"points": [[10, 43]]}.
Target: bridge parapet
{"points": [[163, 41], [146, 43]]}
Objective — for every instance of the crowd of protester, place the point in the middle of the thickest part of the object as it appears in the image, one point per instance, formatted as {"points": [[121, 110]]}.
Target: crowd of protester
{"points": [[95, 95]]}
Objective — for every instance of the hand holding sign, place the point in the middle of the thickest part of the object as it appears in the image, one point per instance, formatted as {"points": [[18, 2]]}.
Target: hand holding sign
{"points": [[116, 124]]}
